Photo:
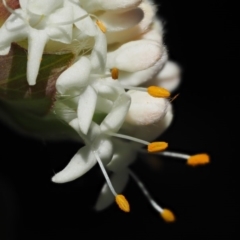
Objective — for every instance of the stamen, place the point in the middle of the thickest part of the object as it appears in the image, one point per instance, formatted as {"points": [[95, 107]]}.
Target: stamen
{"points": [[166, 214], [114, 73], [122, 203], [198, 159], [120, 199], [195, 160], [152, 147], [154, 91], [101, 26]]}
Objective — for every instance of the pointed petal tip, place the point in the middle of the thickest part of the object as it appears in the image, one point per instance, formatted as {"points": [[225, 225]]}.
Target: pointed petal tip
{"points": [[55, 179], [58, 179]]}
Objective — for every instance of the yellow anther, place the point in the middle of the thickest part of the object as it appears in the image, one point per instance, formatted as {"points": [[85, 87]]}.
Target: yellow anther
{"points": [[122, 203], [158, 92], [114, 73], [198, 159], [157, 147], [101, 26], [167, 215]]}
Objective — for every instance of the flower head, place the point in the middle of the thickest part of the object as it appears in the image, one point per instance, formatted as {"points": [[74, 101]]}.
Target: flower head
{"points": [[115, 95]]}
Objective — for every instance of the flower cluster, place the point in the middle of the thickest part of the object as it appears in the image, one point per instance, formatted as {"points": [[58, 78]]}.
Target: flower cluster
{"points": [[116, 94]]}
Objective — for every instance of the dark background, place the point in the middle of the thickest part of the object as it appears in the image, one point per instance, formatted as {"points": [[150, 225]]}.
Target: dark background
{"points": [[202, 37]]}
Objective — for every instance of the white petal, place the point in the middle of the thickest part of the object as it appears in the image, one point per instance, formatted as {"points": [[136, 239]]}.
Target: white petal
{"points": [[106, 91], [118, 22], [135, 56], [104, 147], [81, 162], [109, 89], [23, 4], [85, 159], [63, 111], [99, 53], [4, 50], [102, 144], [36, 43], [145, 109], [75, 76], [96, 5], [151, 131], [103, 105], [85, 24], [14, 29], [93, 132], [138, 30], [122, 36], [124, 154], [43, 7], [113, 121], [141, 77], [149, 10], [168, 77], [57, 29], [86, 108], [155, 33], [119, 181]]}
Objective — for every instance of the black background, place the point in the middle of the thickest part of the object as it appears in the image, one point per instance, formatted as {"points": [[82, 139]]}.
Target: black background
{"points": [[202, 37]]}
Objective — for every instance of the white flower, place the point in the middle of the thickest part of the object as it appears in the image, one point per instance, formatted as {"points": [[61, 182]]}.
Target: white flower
{"points": [[115, 154], [93, 92]]}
